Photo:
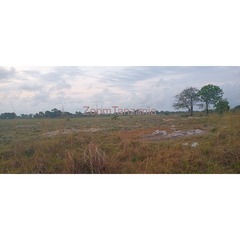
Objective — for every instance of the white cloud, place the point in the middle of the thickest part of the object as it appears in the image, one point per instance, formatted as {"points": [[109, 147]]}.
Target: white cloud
{"points": [[31, 89]]}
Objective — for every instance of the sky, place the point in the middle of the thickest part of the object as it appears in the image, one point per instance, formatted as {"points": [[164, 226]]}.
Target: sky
{"points": [[70, 88]]}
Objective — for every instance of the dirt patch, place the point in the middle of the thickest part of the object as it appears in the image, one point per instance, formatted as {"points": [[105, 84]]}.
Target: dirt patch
{"points": [[169, 119], [194, 117], [163, 135], [69, 131]]}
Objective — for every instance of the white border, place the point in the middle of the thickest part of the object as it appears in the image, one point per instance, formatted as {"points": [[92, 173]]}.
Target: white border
{"points": [[119, 207], [108, 33]]}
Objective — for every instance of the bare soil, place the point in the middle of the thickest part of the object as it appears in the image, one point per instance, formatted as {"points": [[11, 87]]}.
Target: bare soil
{"points": [[69, 131], [163, 135]]}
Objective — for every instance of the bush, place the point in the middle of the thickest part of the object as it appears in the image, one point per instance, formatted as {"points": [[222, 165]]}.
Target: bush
{"points": [[222, 106], [115, 117]]}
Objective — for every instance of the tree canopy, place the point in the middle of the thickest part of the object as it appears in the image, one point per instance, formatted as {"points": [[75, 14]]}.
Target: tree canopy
{"points": [[187, 99], [210, 95]]}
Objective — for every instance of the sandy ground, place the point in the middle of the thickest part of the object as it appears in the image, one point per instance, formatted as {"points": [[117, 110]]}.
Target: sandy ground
{"points": [[69, 131], [163, 135]]}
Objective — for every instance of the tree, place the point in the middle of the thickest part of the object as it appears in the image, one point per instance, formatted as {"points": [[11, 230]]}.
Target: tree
{"points": [[222, 106], [41, 114], [187, 99], [8, 116], [48, 114], [55, 113], [210, 94], [237, 107]]}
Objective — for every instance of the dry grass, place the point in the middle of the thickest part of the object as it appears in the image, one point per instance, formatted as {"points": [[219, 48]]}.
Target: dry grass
{"points": [[119, 147]]}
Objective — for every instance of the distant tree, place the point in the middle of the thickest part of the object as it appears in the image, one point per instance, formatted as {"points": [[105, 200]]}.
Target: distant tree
{"points": [[8, 116], [187, 99], [78, 114], [36, 115], [48, 114], [24, 116], [237, 107], [67, 114], [210, 95], [222, 106], [41, 114], [56, 113]]}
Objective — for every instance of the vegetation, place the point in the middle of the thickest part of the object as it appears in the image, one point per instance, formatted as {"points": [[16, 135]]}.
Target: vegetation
{"points": [[210, 94], [61, 142], [222, 106], [115, 117], [8, 116], [187, 99], [55, 113], [237, 107], [100, 145]]}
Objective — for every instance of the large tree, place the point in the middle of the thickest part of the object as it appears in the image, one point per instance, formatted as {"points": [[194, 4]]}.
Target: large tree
{"points": [[187, 99], [210, 95]]}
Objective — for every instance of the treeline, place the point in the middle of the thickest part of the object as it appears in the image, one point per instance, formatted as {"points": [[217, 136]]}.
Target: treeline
{"points": [[55, 113]]}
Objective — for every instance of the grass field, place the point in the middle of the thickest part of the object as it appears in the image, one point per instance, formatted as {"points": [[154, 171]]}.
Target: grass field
{"points": [[125, 145]]}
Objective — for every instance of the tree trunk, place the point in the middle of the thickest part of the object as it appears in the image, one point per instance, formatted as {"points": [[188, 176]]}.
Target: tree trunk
{"points": [[207, 108], [191, 110]]}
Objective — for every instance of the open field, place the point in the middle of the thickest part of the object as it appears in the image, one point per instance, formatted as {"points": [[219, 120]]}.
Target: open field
{"points": [[131, 144]]}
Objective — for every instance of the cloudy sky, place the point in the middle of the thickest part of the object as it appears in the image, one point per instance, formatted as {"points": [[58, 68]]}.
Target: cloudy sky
{"points": [[34, 89]]}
